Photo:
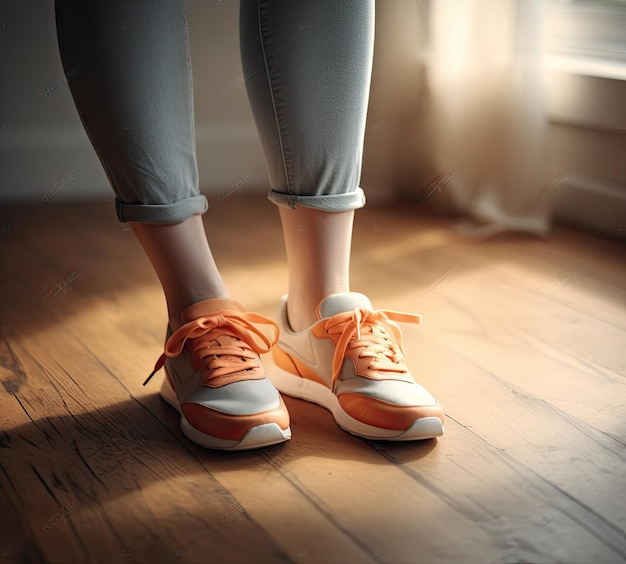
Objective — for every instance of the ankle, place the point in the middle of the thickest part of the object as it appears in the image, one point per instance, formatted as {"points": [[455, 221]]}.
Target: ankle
{"points": [[302, 310], [300, 319], [302, 306], [175, 310]]}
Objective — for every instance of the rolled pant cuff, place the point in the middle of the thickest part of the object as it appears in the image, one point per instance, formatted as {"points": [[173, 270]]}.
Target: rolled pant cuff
{"points": [[161, 213], [330, 203]]}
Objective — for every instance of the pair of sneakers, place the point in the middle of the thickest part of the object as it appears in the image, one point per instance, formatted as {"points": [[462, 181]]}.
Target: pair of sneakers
{"points": [[350, 362]]}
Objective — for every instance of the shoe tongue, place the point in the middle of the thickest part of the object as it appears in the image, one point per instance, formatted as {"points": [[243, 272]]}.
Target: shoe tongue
{"points": [[339, 303], [208, 307]]}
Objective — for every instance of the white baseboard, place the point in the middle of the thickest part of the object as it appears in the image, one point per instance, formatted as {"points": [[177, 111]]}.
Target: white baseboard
{"points": [[61, 166], [593, 203]]}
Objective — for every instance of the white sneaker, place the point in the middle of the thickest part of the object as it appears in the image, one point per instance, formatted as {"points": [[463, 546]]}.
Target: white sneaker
{"points": [[215, 379], [351, 363]]}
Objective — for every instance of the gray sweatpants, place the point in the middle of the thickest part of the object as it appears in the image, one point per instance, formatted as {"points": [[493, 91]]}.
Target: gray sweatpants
{"points": [[307, 65]]}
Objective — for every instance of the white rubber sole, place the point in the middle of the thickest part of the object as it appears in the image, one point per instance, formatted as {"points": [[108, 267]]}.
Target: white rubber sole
{"points": [[257, 437], [298, 387]]}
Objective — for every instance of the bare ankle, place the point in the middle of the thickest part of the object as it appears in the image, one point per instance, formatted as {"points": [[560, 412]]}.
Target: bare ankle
{"points": [[175, 310], [301, 314]]}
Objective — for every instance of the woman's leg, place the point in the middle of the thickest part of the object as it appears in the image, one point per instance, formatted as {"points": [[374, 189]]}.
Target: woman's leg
{"points": [[133, 91], [318, 254], [308, 66], [182, 259]]}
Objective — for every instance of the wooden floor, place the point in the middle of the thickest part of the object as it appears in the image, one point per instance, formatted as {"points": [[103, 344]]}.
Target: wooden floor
{"points": [[523, 342]]}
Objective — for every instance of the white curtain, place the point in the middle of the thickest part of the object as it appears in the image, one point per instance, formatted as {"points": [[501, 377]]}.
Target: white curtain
{"points": [[484, 116]]}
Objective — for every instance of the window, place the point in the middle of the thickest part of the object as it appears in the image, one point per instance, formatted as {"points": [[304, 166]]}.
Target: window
{"points": [[585, 54]]}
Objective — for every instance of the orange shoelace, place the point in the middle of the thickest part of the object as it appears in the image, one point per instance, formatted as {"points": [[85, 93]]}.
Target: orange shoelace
{"points": [[218, 360], [368, 329]]}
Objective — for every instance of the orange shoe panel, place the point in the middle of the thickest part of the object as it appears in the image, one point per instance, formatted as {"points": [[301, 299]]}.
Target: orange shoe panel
{"points": [[231, 427], [384, 415]]}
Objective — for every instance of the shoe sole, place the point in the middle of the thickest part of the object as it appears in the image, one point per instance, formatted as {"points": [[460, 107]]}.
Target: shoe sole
{"points": [[257, 437], [301, 388]]}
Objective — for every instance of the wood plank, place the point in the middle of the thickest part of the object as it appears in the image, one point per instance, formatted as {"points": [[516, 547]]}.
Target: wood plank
{"points": [[522, 342], [95, 465]]}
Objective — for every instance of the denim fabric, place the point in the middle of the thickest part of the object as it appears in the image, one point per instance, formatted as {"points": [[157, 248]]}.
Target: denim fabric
{"points": [[306, 65]]}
